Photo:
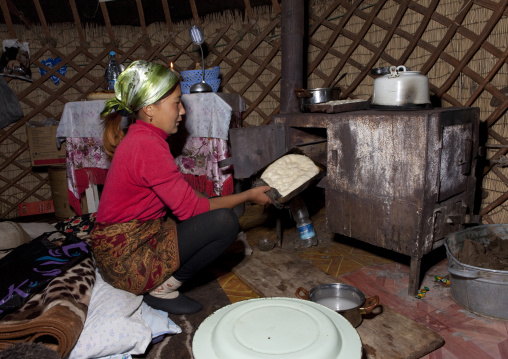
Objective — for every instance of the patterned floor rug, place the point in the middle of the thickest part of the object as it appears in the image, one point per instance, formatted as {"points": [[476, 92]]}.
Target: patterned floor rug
{"points": [[208, 292]]}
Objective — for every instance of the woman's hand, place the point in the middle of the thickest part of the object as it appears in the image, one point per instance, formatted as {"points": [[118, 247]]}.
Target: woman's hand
{"points": [[257, 195]]}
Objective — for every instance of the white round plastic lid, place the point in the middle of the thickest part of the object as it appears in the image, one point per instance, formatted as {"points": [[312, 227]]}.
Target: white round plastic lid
{"points": [[276, 328]]}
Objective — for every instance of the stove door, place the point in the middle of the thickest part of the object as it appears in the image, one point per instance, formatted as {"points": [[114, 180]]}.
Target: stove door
{"points": [[456, 160], [253, 148]]}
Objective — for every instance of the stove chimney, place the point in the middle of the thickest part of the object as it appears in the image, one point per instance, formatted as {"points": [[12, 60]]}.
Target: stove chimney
{"points": [[292, 54]]}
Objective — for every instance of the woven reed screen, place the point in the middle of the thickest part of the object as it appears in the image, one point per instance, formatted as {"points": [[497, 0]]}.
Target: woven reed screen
{"points": [[460, 45]]}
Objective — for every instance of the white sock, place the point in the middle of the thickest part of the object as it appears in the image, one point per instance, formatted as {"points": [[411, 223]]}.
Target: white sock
{"points": [[168, 289]]}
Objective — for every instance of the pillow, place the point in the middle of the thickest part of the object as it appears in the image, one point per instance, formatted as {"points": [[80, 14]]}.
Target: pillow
{"points": [[12, 235], [158, 322], [115, 324], [36, 229], [117, 356]]}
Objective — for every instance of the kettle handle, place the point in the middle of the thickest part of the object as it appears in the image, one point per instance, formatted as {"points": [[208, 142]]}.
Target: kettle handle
{"points": [[394, 70], [371, 303], [304, 291]]}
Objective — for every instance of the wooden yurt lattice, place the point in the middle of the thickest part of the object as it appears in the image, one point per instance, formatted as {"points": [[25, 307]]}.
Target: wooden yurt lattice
{"points": [[460, 45]]}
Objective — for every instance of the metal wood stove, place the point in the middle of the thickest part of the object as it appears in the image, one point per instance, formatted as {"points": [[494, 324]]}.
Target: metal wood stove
{"points": [[400, 180]]}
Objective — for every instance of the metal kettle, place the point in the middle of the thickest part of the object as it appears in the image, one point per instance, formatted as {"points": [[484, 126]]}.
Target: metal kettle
{"points": [[401, 88]]}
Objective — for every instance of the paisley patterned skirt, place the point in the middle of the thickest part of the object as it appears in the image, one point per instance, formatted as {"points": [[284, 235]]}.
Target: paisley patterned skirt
{"points": [[136, 256]]}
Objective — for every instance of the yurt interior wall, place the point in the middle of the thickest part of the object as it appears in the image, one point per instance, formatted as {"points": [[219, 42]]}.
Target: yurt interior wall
{"points": [[460, 45]]}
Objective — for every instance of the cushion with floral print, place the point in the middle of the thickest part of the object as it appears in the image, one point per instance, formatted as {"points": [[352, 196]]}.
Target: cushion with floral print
{"points": [[77, 224]]}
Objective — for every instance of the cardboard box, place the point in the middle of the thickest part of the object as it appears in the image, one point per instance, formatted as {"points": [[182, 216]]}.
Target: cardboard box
{"points": [[42, 143], [59, 192], [32, 208]]}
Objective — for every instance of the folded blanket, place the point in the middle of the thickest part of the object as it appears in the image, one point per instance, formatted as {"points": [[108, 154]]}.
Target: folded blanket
{"points": [[56, 315]]}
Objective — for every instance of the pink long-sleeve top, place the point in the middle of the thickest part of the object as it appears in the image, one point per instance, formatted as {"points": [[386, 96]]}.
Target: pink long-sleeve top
{"points": [[143, 181]]}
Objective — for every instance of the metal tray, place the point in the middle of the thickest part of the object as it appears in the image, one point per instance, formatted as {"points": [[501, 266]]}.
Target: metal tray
{"points": [[338, 106], [274, 195]]}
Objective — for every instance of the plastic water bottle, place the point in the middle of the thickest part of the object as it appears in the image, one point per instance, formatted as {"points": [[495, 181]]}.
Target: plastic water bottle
{"points": [[113, 70], [300, 215]]}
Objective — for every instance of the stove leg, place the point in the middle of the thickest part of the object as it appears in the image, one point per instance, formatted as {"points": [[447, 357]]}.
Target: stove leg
{"points": [[414, 276], [278, 224]]}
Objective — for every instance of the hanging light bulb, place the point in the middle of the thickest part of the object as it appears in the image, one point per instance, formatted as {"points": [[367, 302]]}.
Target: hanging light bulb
{"points": [[197, 37]]}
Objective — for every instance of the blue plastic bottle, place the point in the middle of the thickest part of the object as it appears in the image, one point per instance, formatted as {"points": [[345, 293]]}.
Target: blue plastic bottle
{"points": [[113, 70]]}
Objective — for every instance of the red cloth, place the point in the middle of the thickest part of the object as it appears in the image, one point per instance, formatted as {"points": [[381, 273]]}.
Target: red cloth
{"points": [[85, 176], [204, 185], [144, 181], [75, 203]]}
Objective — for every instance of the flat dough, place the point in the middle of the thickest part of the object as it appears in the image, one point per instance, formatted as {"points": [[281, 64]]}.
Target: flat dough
{"points": [[289, 172]]}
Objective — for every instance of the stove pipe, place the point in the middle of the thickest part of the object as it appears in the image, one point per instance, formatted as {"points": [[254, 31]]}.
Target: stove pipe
{"points": [[291, 54]]}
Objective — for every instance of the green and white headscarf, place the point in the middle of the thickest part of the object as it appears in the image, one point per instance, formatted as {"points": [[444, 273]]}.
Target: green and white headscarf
{"points": [[140, 85]]}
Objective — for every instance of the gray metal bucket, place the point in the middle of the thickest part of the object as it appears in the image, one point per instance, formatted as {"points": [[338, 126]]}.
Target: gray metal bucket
{"points": [[480, 290]]}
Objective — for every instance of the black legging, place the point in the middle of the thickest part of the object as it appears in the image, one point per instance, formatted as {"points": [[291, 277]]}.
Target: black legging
{"points": [[201, 239]]}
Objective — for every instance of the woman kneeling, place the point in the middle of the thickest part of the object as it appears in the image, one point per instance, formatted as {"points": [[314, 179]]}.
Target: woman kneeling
{"points": [[138, 245]]}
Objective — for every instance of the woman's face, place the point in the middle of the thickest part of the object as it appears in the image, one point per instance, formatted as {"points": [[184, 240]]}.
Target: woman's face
{"points": [[167, 113]]}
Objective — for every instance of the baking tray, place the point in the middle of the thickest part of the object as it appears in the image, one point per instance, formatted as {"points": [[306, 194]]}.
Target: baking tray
{"points": [[338, 106], [274, 195]]}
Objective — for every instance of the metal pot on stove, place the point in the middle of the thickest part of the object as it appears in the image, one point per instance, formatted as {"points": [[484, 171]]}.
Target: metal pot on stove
{"points": [[401, 88], [345, 299], [308, 97]]}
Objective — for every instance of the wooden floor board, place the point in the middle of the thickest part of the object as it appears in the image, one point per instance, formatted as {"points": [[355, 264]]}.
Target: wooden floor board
{"points": [[279, 273]]}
